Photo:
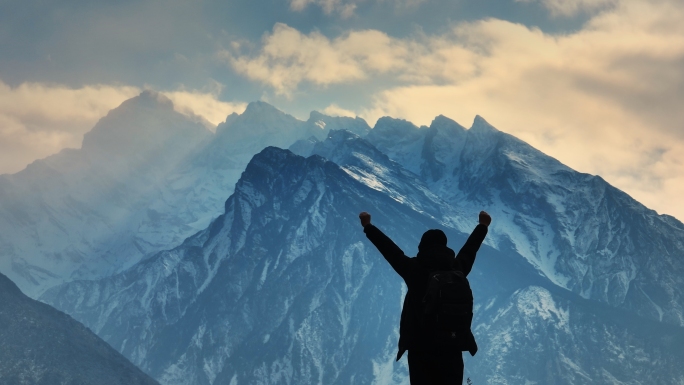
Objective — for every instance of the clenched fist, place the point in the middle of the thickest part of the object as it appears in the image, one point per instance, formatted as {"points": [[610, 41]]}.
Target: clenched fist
{"points": [[485, 219], [365, 219]]}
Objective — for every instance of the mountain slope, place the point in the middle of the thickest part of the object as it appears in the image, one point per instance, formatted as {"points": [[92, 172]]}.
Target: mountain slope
{"points": [[287, 257], [365, 163], [285, 289], [542, 336], [40, 345]]}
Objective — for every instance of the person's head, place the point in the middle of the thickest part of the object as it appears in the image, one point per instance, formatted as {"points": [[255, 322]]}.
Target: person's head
{"points": [[431, 239]]}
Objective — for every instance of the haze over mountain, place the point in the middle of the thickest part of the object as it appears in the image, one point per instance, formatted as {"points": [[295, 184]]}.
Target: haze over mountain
{"points": [[145, 178], [577, 283]]}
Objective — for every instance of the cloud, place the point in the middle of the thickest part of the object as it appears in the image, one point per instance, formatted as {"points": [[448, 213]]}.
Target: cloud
{"points": [[335, 110], [346, 8], [605, 99], [38, 120], [204, 104], [572, 7], [289, 58]]}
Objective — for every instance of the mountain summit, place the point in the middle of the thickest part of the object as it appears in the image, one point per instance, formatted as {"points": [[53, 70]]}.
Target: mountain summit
{"points": [[140, 125]]}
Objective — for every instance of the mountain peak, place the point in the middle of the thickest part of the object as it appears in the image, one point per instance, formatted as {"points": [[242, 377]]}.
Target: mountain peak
{"points": [[315, 115], [481, 125], [259, 108], [387, 127], [263, 115], [320, 124], [141, 123], [148, 99], [442, 122]]}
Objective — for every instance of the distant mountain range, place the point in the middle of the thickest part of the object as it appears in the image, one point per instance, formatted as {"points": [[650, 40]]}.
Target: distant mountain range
{"points": [[577, 283], [146, 178]]}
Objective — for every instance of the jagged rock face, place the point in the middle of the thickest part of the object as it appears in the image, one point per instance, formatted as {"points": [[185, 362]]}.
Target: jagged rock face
{"points": [[41, 345], [283, 288], [579, 231]]}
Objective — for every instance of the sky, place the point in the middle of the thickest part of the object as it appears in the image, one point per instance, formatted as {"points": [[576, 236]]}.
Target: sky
{"points": [[597, 84]]}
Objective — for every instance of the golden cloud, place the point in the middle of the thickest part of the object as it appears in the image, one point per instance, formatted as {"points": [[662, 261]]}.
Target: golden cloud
{"points": [[605, 99], [204, 104], [38, 120]]}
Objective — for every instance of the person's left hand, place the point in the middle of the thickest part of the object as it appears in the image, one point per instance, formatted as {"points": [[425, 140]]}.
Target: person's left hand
{"points": [[365, 219]]}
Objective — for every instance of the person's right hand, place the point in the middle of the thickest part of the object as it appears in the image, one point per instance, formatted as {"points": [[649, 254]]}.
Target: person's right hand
{"points": [[365, 219], [485, 219]]}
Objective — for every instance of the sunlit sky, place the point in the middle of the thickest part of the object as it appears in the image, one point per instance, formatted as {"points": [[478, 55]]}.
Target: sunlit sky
{"points": [[597, 84]]}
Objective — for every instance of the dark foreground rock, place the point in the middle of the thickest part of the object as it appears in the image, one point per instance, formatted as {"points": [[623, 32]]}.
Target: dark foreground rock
{"points": [[41, 345]]}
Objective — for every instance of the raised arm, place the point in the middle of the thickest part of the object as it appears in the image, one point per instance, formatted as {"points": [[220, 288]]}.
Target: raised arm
{"points": [[466, 256], [392, 253]]}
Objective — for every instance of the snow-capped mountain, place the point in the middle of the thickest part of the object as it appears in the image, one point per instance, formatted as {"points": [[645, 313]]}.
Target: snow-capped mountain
{"points": [[576, 229], [578, 283], [41, 345], [146, 178], [284, 289]]}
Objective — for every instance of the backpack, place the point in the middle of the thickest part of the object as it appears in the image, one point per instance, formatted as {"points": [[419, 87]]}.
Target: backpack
{"points": [[448, 311]]}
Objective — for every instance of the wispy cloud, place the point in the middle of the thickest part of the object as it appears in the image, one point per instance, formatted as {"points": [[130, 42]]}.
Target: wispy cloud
{"points": [[288, 58], [37, 120], [346, 8], [335, 110], [605, 99], [204, 104], [572, 7]]}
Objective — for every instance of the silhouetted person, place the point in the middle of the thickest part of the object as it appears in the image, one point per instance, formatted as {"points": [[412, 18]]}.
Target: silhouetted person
{"points": [[428, 364]]}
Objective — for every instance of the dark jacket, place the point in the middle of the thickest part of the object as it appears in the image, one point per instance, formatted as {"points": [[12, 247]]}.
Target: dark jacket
{"points": [[415, 272]]}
